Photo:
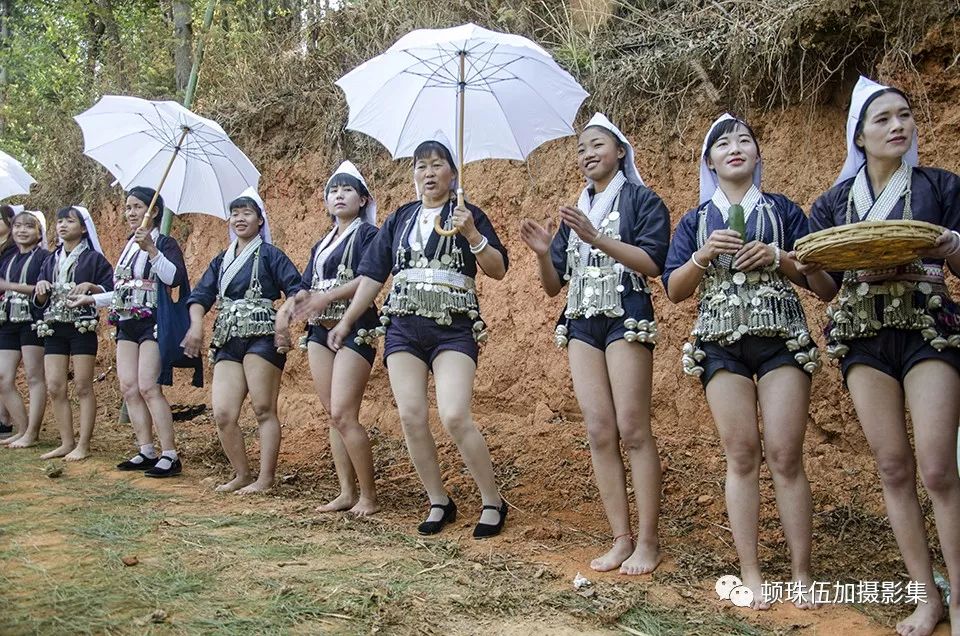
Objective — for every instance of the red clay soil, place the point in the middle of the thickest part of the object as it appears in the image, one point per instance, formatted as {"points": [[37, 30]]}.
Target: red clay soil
{"points": [[524, 401]]}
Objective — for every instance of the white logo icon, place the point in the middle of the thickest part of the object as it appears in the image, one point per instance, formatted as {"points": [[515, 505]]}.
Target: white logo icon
{"points": [[741, 596], [725, 584]]}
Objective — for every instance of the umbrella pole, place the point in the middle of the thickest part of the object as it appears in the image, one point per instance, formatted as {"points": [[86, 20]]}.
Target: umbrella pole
{"points": [[461, 98], [153, 201]]}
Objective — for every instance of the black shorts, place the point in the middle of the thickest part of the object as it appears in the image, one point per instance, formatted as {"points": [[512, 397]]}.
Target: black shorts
{"points": [[426, 339], [895, 352], [235, 349], [601, 331], [14, 335], [138, 330], [751, 356], [369, 321], [67, 341]]}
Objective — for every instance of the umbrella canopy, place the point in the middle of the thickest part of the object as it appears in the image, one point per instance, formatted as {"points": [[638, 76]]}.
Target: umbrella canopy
{"points": [[189, 159], [13, 178], [516, 97]]}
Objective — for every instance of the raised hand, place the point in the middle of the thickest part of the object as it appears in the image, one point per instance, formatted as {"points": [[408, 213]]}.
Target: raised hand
{"points": [[536, 236]]}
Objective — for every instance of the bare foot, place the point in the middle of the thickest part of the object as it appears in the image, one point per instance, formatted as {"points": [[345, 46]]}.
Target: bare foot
{"points": [[236, 483], [925, 618], [77, 454], [344, 501], [365, 507], [26, 441], [257, 487], [11, 439], [644, 560], [755, 583], [805, 601], [620, 552], [61, 451]]}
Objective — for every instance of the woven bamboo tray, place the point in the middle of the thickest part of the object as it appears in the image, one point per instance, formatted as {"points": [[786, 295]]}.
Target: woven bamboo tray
{"points": [[867, 245]]}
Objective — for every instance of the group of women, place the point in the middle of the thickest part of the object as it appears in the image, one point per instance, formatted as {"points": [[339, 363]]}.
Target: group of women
{"points": [[895, 331]]}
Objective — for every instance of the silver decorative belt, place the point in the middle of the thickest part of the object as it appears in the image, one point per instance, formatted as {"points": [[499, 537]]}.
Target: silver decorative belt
{"points": [[429, 276]]}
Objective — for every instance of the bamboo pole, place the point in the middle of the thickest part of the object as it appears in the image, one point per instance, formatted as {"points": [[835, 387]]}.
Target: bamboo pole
{"points": [[189, 94]]}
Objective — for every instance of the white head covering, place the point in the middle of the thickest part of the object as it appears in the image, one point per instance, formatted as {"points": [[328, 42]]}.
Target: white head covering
{"points": [[629, 160], [90, 227], [863, 91], [17, 209], [42, 220], [265, 228], [708, 178], [442, 139], [370, 213]]}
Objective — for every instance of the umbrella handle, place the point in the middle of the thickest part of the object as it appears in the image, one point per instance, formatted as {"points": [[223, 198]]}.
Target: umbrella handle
{"points": [[156, 193], [439, 229]]}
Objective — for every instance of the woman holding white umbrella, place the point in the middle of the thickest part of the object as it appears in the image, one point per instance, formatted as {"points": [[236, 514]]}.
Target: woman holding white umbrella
{"points": [[244, 281], [150, 266], [433, 324]]}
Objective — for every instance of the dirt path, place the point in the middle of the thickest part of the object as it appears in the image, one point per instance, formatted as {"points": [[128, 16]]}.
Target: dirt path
{"points": [[270, 565]]}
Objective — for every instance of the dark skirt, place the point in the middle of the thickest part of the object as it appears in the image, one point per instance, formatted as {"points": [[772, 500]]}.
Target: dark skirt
{"points": [[370, 320], [895, 352], [601, 331], [751, 356], [66, 340], [14, 335], [138, 330], [234, 349]]}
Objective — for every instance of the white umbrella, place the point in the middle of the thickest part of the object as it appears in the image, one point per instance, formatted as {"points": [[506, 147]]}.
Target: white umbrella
{"points": [[509, 92], [188, 159], [13, 178]]}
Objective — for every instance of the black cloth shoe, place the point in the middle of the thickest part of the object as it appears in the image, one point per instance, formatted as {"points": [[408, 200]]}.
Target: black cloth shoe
{"points": [[175, 469], [486, 530], [6, 430], [449, 516], [147, 462]]}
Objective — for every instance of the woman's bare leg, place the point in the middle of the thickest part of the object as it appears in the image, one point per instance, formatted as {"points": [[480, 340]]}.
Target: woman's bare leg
{"points": [[37, 388], [55, 368], [263, 384], [83, 367], [350, 374], [591, 385], [10, 397], [229, 389], [321, 368]]}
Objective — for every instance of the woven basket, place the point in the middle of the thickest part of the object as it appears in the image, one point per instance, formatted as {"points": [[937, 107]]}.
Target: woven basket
{"points": [[867, 245]]}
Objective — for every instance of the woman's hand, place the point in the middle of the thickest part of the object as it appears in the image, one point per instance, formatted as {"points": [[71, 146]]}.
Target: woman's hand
{"points": [[337, 335], [82, 289], [754, 255], [309, 304], [536, 236], [463, 222], [193, 341], [43, 288], [947, 244], [577, 221], [144, 239], [78, 301], [807, 269], [719, 242]]}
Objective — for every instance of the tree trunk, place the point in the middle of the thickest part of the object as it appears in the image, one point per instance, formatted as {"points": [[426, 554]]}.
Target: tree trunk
{"points": [[6, 11], [183, 42]]}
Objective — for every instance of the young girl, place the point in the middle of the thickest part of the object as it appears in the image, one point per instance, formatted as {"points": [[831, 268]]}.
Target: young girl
{"points": [[897, 332], [244, 281], [70, 333], [752, 346], [433, 323], [149, 266], [606, 247], [341, 377], [17, 337], [7, 249]]}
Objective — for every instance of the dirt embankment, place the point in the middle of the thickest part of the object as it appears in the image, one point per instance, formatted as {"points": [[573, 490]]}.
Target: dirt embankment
{"points": [[524, 400]]}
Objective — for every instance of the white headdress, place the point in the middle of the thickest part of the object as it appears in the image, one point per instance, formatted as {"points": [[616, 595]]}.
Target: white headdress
{"points": [[862, 92], [708, 178], [370, 212], [629, 160], [90, 227], [42, 220], [265, 228]]}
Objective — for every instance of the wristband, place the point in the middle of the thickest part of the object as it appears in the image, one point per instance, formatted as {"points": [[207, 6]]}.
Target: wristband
{"points": [[693, 259], [479, 247]]}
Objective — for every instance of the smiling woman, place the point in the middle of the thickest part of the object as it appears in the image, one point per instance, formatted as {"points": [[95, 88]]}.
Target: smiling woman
{"points": [[244, 281]]}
